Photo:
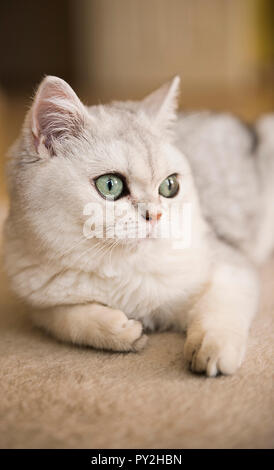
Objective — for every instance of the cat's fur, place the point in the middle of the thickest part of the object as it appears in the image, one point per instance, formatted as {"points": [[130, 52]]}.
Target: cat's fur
{"points": [[100, 293]]}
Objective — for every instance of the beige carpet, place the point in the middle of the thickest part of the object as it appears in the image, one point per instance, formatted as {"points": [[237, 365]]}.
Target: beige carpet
{"points": [[59, 396]]}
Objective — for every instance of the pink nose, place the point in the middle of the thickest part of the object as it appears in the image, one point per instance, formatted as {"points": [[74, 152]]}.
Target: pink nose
{"points": [[152, 217]]}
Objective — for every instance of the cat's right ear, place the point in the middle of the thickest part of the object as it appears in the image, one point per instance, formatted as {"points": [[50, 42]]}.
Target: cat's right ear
{"points": [[161, 105], [56, 114]]}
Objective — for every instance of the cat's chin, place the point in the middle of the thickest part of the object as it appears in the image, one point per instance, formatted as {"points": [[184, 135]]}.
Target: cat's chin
{"points": [[132, 243], [137, 243]]}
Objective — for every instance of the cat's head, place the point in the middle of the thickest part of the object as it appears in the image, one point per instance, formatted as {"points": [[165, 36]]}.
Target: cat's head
{"points": [[72, 158]]}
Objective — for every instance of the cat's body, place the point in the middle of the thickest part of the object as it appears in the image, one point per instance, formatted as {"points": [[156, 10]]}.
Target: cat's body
{"points": [[98, 292], [235, 180]]}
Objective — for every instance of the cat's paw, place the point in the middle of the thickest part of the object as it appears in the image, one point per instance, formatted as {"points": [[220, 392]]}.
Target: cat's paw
{"points": [[126, 335], [214, 351]]}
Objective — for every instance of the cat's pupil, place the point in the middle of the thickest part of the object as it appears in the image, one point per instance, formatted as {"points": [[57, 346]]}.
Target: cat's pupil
{"points": [[110, 185], [170, 183]]}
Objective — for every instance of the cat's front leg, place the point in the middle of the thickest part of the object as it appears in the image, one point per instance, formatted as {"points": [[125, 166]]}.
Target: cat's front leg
{"points": [[92, 325], [218, 323]]}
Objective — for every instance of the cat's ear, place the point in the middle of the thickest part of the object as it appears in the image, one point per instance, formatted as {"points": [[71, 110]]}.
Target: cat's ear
{"points": [[161, 105], [56, 114]]}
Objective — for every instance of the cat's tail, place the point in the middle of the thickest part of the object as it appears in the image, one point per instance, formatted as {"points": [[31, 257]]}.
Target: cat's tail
{"points": [[265, 160]]}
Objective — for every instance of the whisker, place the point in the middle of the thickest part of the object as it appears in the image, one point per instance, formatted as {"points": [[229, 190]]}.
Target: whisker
{"points": [[82, 239]]}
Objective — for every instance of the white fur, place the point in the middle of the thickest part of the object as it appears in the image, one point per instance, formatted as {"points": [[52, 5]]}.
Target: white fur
{"points": [[89, 291]]}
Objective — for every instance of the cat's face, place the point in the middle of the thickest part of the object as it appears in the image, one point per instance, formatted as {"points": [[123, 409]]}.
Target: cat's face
{"points": [[110, 171]]}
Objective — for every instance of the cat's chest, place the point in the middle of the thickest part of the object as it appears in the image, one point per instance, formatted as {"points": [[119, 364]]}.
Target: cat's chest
{"points": [[141, 286]]}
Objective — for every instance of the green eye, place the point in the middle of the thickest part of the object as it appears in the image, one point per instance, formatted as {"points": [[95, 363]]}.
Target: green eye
{"points": [[169, 187], [110, 186]]}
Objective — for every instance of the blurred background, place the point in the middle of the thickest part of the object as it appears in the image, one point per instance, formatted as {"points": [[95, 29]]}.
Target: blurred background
{"points": [[122, 49]]}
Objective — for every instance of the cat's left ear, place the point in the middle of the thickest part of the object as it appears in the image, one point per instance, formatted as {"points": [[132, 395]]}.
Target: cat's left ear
{"points": [[161, 105], [56, 114]]}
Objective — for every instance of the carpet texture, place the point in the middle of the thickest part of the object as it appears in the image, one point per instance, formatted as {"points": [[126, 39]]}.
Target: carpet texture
{"points": [[54, 395]]}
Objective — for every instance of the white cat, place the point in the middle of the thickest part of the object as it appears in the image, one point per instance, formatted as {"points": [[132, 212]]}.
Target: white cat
{"points": [[103, 292]]}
